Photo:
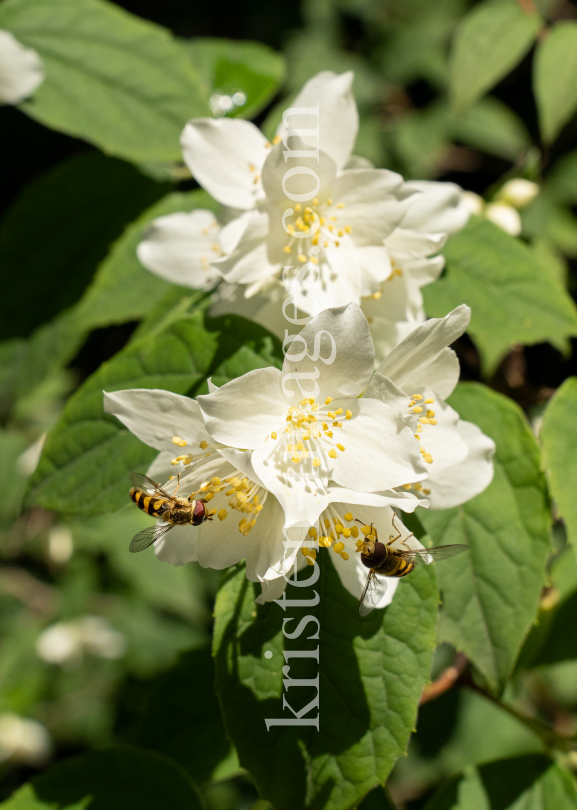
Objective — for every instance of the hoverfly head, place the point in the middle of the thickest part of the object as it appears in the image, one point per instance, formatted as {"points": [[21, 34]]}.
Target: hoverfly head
{"points": [[373, 553]]}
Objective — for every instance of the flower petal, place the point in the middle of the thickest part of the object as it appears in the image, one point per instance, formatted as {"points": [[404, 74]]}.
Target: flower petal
{"points": [[156, 416], [454, 485], [403, 499], [178, 546], [442, 441], [337, 120], [436, 207], [180, 247], [243, 412], [280, 180], [380, 449], [339, 356], [372, 208], [409, 362], [300, 488], [248, 261], [226, 157], [386, 391], [21, 70]]}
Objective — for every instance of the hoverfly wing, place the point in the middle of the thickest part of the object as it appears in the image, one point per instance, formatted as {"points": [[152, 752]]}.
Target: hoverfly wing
{"points": [[147, 536], [139, 481], [372, 594], [425, 556]]}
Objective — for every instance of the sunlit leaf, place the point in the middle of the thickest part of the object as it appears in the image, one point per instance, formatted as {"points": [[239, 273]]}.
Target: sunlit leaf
{"points": [[512, 298], [555, 78], [229, 67], [490, 595], [113, 79], [371, 672], [490, 40]]}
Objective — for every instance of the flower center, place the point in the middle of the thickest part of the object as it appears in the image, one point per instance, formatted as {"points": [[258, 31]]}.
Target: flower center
{"points": [[206, 450], [331, 229], [333, 526], [237, 492], [311, 432]]}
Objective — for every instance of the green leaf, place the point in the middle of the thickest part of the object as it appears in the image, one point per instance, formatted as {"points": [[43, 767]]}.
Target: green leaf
{"points": [[113, 79], [112, 779], [555, 78], [229, 67], [25, 364], [494, 128], [512, 298], [123, 290], [490, 40], [60, 227], [533, 781], [88, 454], [560, 452], [371, 675], [197, 741], [490, 596]]}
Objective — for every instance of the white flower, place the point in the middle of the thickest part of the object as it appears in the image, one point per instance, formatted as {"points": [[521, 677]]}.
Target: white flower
{"points": [[518, 192], [180, 248], [358, 232], [314, 449], [423, 368], [282, 448], [415, 379], [21, 70], [67, 642], [24, 740]]}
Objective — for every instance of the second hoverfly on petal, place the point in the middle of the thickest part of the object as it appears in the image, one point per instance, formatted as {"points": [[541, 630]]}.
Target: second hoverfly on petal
{"points": [[384, 560]]}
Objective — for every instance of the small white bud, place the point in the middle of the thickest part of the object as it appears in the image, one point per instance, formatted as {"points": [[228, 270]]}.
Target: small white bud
{"points": [[60, 644], [505, 217], [23, 740], [518, 192], [473, 202], [60, 544]]}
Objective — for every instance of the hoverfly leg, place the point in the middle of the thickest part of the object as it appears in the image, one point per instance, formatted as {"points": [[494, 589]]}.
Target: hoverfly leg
{"points": [[403, 542], [177, 485]]}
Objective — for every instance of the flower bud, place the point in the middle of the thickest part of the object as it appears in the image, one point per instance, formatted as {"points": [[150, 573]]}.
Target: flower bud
{"points": [[518, 192], [25, 741], [505, 217], [473, 202]]}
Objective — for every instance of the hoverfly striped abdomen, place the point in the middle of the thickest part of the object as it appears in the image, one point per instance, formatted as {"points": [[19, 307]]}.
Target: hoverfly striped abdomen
{"points": [[150, 504]]}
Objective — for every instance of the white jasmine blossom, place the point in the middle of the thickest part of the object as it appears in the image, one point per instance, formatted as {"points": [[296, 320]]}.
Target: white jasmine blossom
{"points": [[281, 449], [457, 455], [21, 70], [363, 232], [310, 453]]}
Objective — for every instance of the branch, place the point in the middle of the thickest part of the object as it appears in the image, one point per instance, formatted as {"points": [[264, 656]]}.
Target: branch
{"points": [[446, 679]]}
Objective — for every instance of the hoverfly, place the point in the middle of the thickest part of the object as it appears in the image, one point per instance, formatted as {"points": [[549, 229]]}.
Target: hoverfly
{"points": [[173, 511], [386, 561]]}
